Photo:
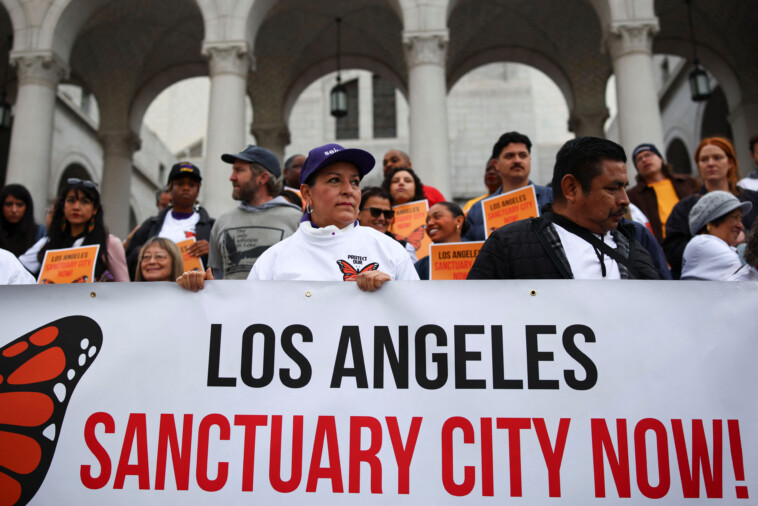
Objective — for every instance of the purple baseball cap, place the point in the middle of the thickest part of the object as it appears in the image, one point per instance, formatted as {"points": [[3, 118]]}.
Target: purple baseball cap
{"points": [[322, 156]]}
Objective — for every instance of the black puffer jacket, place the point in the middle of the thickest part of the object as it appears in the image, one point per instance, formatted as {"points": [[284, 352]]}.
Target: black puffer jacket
{"points": [[531, 249]]}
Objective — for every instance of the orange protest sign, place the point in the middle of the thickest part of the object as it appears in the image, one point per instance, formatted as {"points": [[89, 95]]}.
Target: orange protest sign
{"points": [[452, 260], [70, 265], [509, 207], [190, 263], [410, 220]]}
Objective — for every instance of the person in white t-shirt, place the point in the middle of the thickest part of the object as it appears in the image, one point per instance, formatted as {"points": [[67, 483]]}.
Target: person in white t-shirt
{"points": [[12, 272], [330, 245], [179, 222]]}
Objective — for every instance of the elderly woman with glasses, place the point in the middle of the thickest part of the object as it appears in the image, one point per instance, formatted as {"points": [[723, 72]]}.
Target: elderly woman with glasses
{"points": [[159, 260], [329, 245], [78, 221]]}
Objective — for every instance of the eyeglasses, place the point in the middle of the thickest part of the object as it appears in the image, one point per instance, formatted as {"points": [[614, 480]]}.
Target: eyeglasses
{"points": [[376, 212], [75, 181], [158, 257]]}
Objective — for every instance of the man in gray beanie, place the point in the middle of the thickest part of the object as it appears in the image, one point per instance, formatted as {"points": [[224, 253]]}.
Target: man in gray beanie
{"points": [[658, 189]]}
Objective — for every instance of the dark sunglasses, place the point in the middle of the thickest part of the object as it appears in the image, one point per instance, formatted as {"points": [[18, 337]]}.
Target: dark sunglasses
{"points": [[75, 181], [375, 212]]}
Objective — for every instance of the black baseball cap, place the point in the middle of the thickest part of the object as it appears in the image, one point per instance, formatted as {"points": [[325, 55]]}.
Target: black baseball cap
{"points": [[184, 169]]}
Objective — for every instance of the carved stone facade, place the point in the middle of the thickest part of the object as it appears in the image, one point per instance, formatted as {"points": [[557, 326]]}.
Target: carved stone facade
{"points": [[126, 53]]}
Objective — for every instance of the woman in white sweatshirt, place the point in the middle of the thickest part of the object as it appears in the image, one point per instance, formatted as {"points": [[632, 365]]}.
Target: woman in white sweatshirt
{"points": [[329, 245]]}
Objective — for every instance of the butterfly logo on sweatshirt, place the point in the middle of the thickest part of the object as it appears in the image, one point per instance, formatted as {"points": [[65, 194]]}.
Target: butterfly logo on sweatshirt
{"points": [[349, 273], [38, 374]]}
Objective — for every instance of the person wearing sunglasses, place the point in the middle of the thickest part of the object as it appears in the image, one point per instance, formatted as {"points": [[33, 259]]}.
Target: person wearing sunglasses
{"points": [[375, 211], [78, 221], [159, 260]]}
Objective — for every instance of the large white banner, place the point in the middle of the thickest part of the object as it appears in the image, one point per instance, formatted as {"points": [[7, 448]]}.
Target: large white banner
{"points": [[527, 392]]}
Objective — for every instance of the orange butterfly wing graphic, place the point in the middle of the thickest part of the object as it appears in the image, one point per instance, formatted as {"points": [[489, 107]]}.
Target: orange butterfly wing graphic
{"points": [[414, 237], [38, 374], [349, 273]]}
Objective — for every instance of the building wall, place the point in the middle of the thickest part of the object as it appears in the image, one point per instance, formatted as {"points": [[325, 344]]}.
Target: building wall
{"points": [[482, 105]]}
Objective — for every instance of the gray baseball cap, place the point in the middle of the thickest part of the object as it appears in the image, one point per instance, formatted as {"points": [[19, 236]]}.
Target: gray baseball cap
{"points": [[714, 205]]}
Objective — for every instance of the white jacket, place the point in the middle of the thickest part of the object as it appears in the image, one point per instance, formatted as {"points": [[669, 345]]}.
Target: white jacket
{"points": [[333, 254]]}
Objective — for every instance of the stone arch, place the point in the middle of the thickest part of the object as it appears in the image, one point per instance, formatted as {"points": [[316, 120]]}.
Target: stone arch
{"points": [[152, 88], [711, 60], [715, 120], [517, 55], [677, 155], [73, 170], [62, 23], [325, 67], [606, 10], [71, 164]]}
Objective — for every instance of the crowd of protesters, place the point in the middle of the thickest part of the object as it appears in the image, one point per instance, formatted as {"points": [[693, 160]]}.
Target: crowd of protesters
{"points": [[312, 221]]}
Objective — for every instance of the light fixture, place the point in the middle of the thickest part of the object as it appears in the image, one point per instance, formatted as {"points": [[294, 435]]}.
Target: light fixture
{"points": [[700, 89], [338, 95]]}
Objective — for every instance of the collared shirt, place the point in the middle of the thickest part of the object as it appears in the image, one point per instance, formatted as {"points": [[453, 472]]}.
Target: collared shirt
{"points": [[583, 258]]}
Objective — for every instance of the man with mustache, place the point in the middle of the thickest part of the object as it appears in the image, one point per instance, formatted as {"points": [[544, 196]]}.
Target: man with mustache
{"points": [[582, 236], [513, 159]]}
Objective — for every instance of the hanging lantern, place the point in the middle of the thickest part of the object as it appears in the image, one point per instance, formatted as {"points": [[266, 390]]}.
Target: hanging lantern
{"points": [[338, 95], [700, 88]]}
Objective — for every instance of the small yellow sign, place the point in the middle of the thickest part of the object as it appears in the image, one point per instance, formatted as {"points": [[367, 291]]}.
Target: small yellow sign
{"points": [[69, 265], [509, 207], [452, 260], [190, 263], [410, 226]]}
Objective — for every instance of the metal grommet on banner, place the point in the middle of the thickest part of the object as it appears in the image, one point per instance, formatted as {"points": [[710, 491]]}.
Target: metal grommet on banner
{"points": [[533, 293], [307, 294], [92, 294]]}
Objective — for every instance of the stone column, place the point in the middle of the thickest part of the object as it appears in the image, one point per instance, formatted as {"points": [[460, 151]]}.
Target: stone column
{"points": [[30, 153], [229, 65], [744, 121], [588, 122], [115, 188], [425, 53], [272, 136], [639, 116]]}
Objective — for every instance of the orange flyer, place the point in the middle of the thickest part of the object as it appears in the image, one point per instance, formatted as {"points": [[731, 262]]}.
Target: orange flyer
{"points": [[70, 265], [409, 225], [190, 263], [452, 260], [509, 207]]}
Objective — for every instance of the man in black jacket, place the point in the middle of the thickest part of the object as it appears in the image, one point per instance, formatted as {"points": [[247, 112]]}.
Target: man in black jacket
{"points": [[180, 221], [582, 236]]}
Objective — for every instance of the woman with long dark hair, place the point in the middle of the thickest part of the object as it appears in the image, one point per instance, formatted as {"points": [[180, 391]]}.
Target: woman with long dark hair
{"points": [[17, 225], [404, 186], [719, 170], [78, 221]]}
